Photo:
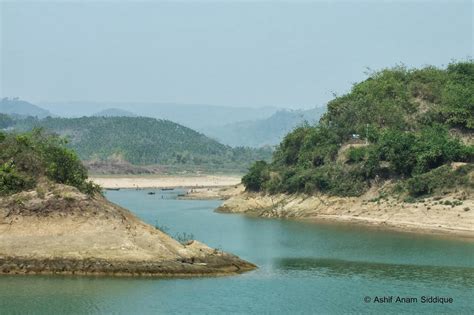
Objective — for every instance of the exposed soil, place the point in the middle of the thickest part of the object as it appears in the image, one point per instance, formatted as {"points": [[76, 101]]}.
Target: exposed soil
{"points": [[57, 229]]}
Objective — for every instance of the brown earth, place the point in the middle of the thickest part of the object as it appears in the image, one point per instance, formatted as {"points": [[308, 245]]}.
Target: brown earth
{"points": [[450, 214], [57, 229]]}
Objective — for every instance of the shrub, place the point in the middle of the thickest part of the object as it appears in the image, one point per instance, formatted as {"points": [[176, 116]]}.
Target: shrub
{"points": [[11, 181], [257, 175], [29, 156], [442, 177], [355, 155]]}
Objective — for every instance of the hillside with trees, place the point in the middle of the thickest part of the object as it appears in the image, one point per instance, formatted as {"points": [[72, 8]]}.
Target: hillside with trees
{"points": [[146, 141], [19, 108], [28, 158], [412, 127]]}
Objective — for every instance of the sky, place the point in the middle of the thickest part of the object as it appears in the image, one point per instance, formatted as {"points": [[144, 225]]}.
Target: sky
{"points": [[286, 54]]}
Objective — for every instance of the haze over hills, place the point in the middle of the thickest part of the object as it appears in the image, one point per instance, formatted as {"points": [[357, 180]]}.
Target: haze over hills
{"points": [[232, 126], [195, 116], [263, 132], [114, 112], [20, 108]]}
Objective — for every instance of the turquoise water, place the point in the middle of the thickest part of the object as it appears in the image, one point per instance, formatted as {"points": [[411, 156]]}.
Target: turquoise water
{"points": [[303, 268]]}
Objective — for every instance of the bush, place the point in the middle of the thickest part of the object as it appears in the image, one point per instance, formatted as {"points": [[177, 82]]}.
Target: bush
{"points": [[355, 155], [257, 175], [419, 186], [11, 181], [30, 156], [442, 177]]}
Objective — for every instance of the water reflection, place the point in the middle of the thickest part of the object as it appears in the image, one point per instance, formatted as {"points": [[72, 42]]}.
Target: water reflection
{"points": [[452, 276]]}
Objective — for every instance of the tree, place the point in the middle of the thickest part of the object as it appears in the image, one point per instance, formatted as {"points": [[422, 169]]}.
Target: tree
{"points": [[257, 175]]}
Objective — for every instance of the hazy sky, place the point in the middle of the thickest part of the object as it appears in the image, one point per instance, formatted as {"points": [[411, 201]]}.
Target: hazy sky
{"points": [[288, 54]]}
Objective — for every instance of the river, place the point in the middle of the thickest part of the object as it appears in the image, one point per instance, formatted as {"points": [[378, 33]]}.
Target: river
{"points": [[303, 268]]}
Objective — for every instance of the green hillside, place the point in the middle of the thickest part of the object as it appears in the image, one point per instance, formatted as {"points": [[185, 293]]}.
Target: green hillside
{"points": [[145, 141], [26, 159], [406, 125]]}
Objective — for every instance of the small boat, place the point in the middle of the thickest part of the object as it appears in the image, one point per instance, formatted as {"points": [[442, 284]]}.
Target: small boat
{"points": [[181, 195], [112, 188], [151, 192], [167, 188]]}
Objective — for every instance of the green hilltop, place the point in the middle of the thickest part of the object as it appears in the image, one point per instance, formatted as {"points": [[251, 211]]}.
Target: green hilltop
{"points": [[404, 125], [145, 141], [29, 158]]}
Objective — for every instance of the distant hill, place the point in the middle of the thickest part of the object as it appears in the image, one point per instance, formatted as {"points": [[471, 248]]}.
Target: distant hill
{"points": [[17, 107], [6, 121], [114, 112], [146, 141], [262, 132], [195, 116]]}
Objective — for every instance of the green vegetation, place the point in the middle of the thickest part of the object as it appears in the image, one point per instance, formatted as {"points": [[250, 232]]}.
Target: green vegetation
{"points": [[146, 141], [439, 179], [398, 124], [27, 158]]}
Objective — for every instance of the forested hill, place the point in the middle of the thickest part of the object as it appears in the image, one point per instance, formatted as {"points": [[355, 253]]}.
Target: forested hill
{"points": [[144, 141], [404, 125], [19, 108]]}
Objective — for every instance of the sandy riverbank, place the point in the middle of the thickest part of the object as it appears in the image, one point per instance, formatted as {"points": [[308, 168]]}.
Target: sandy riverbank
{"points": [[56, 229], [152, 181], [451, 214]]}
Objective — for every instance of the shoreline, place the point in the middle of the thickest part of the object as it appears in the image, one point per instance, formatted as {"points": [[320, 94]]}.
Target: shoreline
{"points": [[429, 217], [165, 181], [317, 209], [66, 266], [367, 223], [406, 227], [56, 229]]}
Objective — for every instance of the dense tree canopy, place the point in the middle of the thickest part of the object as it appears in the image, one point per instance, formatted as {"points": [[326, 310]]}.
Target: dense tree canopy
{"points": [[396, 124], [144, 141]]}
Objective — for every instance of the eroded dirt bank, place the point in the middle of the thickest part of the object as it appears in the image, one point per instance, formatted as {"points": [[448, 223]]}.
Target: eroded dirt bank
{"points": [[57, 229], [451, 214]]}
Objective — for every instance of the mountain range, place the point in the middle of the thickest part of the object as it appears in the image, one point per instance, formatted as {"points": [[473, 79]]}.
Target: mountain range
{"points": [[247, 127]]}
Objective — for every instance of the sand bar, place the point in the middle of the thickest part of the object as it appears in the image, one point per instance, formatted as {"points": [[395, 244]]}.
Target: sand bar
{"points": [[166, 181]]}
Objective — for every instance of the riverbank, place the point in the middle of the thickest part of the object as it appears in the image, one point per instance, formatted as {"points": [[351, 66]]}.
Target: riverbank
{"points": [[450, 214], [160, 181], [56, 229]]}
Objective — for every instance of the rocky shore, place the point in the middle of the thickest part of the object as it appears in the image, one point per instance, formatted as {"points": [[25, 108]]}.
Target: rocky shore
{"points": [[55, 229], [450, 214]]}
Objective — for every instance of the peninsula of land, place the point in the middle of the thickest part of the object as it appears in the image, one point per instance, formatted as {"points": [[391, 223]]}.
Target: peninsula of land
{"points": [[53, 219], [56, 229]]}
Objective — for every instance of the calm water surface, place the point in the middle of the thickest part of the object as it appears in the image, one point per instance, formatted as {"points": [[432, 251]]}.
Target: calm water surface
{"points": [[304, 268]]}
